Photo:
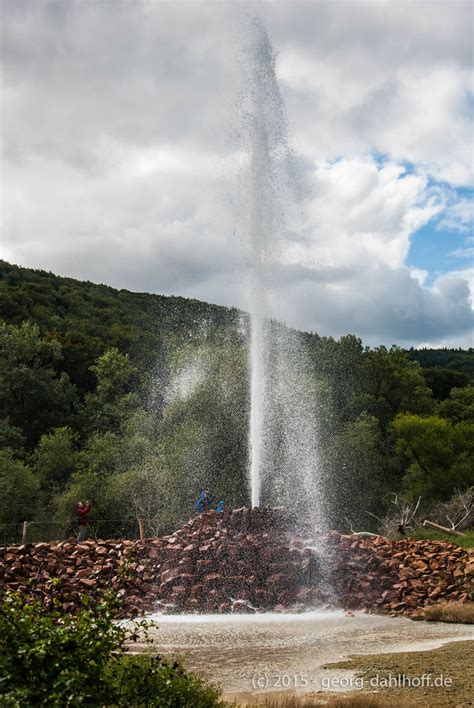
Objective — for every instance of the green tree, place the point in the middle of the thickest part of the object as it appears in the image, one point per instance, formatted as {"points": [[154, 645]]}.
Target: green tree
{"points": [[33, 395], [360, 475], [103, 454], [113, 400], [396, 386], [459, 406], [112, 515], [139, 492], [203, 434], [342, 366], [55, 457], [439, 453], [442, 381], [116, 451], [84, 486], [107, 463], [18, 494], [11, 438], [51, 659]]}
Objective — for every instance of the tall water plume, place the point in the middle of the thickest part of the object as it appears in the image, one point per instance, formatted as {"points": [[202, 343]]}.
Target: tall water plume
{"points": [[283, 422], [268, 145]]}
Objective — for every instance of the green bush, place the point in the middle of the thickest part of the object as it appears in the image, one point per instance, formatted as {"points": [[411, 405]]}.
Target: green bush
{"points": [[50, 659], [152, 681]]}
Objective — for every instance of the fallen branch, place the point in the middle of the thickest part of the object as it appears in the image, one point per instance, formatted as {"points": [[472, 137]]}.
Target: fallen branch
{"points": [[360, 533], [444, 529]]}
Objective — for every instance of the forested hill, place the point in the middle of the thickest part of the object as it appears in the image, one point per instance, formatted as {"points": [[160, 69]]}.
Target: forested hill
{"points": [[136, 402], [454, 359], [88, 319]]}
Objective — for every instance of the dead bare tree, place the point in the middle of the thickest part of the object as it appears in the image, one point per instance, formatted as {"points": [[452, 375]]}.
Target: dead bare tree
{"points": [[456, 511], [404, 516], [145, 509], [460, 508], [406, 511]]}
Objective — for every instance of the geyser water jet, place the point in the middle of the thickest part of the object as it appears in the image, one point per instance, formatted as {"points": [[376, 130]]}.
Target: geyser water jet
{"points": [[266, 123], [283, 441], [259, 169]]}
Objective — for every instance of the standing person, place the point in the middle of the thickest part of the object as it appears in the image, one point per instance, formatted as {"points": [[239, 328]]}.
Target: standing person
{"points": [[82, 511], [208, 499], [204, 502]]}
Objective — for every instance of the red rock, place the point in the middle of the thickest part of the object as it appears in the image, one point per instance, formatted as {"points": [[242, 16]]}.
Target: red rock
{"points": [[205, 565], [197, 591], [244, 555], [191, 605], [304, 594], [277, 580], [213, 580], [169, 575], [186, 565]]}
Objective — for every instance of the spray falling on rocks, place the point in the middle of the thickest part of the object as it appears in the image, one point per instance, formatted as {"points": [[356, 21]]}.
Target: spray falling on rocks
{"points": [[241, 561]]}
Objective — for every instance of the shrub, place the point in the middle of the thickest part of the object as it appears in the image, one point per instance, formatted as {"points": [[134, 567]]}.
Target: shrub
{"points": [[47, 658], [151, 681]]}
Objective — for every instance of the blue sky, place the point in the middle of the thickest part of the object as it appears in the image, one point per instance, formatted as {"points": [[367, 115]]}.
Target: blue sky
{"points": [[441, 250]]}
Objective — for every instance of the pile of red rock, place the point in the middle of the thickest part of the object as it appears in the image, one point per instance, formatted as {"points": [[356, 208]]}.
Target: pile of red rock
{"points": [[242, 561], [399, 577]]}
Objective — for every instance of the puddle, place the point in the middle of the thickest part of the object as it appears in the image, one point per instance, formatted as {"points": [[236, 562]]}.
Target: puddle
{"points": [[274, 652]]}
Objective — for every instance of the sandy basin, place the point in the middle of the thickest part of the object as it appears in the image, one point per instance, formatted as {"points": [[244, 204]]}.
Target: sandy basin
{"points": [[273, 652]]}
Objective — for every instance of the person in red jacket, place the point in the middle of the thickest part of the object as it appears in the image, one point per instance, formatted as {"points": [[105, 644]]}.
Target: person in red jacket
{"points": [[82, 511]]}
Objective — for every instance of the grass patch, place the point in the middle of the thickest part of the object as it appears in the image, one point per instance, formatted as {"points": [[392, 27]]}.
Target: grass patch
{"points": [[462, 612], [452, 661], [354, 700], [466, 541]]}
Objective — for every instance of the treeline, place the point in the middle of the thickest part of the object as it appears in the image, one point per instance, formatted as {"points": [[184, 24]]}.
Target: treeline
{"points": [[460, 360], [138, 401]]}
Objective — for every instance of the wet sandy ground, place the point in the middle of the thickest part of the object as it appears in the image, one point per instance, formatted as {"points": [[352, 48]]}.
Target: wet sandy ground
{"points": [[250, 654]]}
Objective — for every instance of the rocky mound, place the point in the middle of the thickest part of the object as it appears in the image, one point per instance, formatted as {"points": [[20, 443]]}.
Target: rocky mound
{"points": [[241, 561], [398, 576]]}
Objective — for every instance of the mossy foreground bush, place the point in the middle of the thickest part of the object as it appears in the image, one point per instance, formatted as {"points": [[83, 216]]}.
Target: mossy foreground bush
{"points": [[48, 659]]}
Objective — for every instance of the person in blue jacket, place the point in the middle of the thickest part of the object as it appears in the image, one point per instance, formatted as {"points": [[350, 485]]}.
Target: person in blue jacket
{"points": [[220, 506], [204, 502]]}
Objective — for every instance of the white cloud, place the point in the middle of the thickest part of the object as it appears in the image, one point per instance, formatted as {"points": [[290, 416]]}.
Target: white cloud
{"points": [[419, 274], [464, 252], [465, 274], [458, 217], [367, 213], [391, 77], [121, 150]]}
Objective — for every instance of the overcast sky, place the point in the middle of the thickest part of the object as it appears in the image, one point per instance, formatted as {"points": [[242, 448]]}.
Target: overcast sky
{"points": [[120, 136]]}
